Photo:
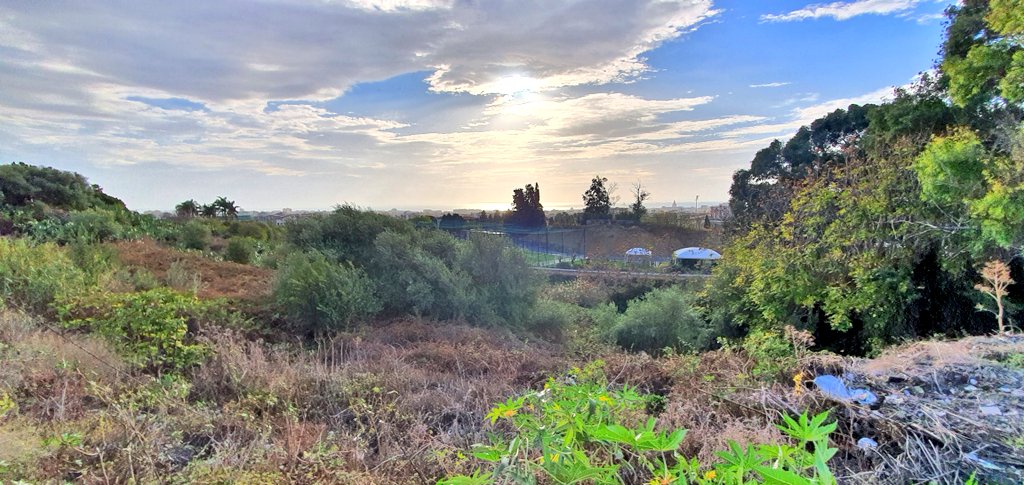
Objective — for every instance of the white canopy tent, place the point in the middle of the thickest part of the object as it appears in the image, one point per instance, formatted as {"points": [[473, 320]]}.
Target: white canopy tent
{"points": [[696, 253], [638, 252]]}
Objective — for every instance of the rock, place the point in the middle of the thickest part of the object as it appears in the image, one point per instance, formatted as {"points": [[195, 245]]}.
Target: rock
{"points": [[917, 390], [1006, 389], [970, 388], [867, 443], [990, 411], [972, 381]]}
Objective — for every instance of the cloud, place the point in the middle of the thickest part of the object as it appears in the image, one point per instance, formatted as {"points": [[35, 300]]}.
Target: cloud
{"points": [[291, 49], [771, 85], [815, 111], [843, 10]]}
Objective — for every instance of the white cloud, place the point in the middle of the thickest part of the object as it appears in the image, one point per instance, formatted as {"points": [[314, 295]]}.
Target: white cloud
{"points": [[771, 85], [292, 49], [810, 113], [843, 10]]}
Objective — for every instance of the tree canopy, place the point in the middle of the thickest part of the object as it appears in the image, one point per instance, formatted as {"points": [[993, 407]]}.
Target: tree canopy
{"points": [[597, 200], [871, 224], [527, 211]]}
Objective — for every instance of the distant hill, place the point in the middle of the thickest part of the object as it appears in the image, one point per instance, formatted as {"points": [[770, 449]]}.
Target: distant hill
{"points": [[23, 185]]}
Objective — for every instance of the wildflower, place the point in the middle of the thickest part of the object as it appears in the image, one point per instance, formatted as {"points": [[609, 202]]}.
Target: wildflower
{"points": [[710, 475], [798, 381], [605, 399], [508, 413], [663, 480]]}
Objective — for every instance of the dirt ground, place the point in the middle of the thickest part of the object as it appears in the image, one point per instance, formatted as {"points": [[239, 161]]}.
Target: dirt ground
{"points": [[217, 278]]}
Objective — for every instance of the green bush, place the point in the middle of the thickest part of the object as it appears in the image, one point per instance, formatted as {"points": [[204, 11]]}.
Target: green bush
{"points": [[323, 294], [416, 274], [551, 318], [150, 328], [250, 229], [504, 285], [32, 276], [240, 250], [93, 226], [347, 234], [194, 235], [585, 432], [773, 355], [663, 318]]}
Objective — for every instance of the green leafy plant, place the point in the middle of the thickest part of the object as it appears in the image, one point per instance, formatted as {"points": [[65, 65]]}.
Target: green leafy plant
{"points": [[150, 328], [240, 250], [322, 293], [580, 430], [32, 276]]}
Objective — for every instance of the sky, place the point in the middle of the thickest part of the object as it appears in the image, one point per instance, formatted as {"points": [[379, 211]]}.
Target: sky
{"points": [[440, 104]]}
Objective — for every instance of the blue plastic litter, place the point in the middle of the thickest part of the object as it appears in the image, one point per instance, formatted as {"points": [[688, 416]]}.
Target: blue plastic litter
{"points": [[834, 387], [866, 443]]}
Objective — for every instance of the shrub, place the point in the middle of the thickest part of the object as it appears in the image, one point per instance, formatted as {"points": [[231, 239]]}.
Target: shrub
{"points": [[32, 276], [347, 234], [250, 229], [415, 273], [94, 259], [181, 278], [504, 285], [582, 433], [150, 328], [93, 226], [774, 356], [240, 250], [663, 318], [580, 291], [551, 318], [324, 294], [194, 235]]}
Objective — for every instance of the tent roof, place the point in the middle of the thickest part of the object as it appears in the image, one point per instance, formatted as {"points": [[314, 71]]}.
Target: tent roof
{"points": [[696, 253]]}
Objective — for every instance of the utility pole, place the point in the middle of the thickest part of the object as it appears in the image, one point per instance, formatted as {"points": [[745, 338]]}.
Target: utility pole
{"points": [[696, 202]]}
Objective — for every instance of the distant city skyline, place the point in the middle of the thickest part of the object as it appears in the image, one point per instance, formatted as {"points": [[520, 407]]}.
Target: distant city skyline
{"points": [[434, 103]]}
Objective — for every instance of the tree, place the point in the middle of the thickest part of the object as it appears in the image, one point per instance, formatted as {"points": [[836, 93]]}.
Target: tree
{"points": [[983, 57], [639, 196], [762, 193], [188, 209], [208, 210], [597, 199], [226, 208], [997, 277], [527, 211], [452, 221]]}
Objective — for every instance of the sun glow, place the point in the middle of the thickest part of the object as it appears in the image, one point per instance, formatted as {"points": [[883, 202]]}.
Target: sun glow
{"points": [[515, 84]]}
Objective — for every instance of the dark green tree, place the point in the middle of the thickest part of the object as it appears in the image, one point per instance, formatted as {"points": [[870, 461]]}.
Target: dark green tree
{"points": [[597, 200], [527, 211], [187, 209], [639, 196]]}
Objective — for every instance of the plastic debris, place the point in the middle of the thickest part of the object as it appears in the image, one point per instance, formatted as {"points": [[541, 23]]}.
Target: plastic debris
{"points": [[990, 411], [867, 443], [835, 388]]}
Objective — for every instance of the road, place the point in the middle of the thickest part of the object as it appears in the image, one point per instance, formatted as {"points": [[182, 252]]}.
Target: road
{"points": [[621, 274]]}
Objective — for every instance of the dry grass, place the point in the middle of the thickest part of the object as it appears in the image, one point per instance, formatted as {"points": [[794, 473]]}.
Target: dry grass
{"points": [[216, 278], [395, 403]]}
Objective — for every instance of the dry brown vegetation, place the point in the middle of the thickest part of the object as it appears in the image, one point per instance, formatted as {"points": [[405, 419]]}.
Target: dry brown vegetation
{"points": [[399, 402], [216, 278]]}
